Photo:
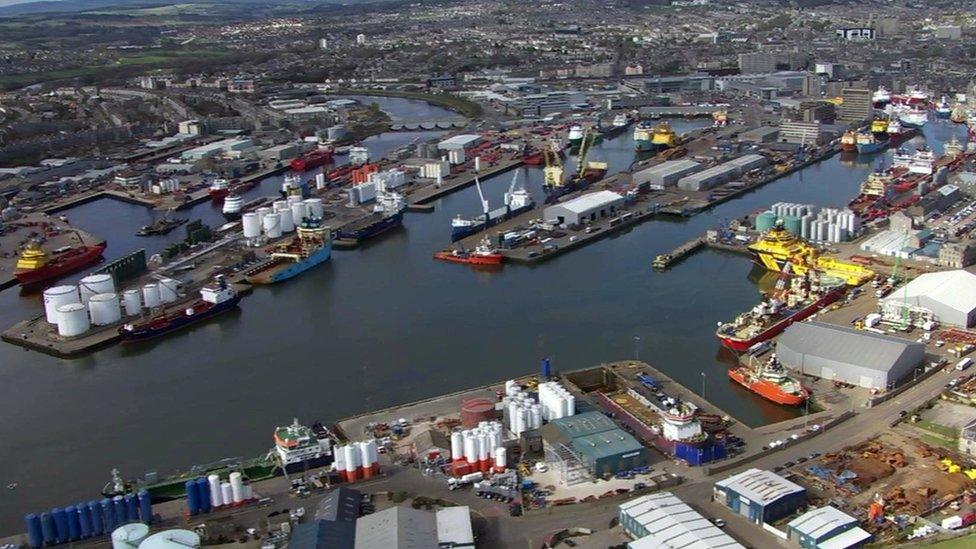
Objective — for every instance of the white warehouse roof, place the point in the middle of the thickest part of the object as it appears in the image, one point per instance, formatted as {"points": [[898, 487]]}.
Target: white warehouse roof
{"points": [[459, 141], [454, 527], [671, 523], [821, 521], [760, 486], [954, 289], [591, 201]]}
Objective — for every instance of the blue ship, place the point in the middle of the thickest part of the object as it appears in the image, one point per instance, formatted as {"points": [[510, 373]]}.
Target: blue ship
{"points": [[312, 246], [387, 214], [517, 201]]}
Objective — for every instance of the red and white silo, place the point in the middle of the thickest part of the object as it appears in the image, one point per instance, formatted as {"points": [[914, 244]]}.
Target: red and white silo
{"points": [[470, 448], [374, 456], [457, 446], [483, 452], [339, 461], [352, 462], [501, 459]]}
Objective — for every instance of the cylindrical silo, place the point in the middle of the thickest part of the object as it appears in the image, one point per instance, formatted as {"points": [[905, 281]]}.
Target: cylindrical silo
{"points": [[129, 536], [263, 211], [48, 530], [287, 222], [145, 506], [237, 486], [72, 320], [213, 486], [339, 461], [470, 447], [352, 463], [84, 520], [74, 523], [203, 491], [169, 290], [457, 446], [108, 515], [315, 207], [248, 491], [98, 523], [60, 524], [374, 456], [320, 181], [226, 493], [131, 508], [570, 405], [192, 497], [172, 539], [104, 309], [501, 459], [251, 223], [95, 284], [118, 510], [132, 302], [272, 225], [56, 296], [150, 296], [35, 534], [298, 212], [364, 459]]}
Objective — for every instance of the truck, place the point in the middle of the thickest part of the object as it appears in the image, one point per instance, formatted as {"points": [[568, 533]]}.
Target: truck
{"points": [[455, 483], [964, 363]]}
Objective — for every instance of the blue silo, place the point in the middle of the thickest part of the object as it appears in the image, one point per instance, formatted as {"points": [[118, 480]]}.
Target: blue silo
{"points": [[546, 369], [145, 506], [108, 515], [98, 525], [203, 491], [192, 497], [84, 520], [35, 535], [74, 525], [48, 530], [131, 508], [60, 524], [118, 510]]}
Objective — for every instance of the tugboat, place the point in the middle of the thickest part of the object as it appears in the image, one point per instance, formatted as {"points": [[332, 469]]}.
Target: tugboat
{"points": [[161, 226], [35, 267], [215, 299], [483, 254], [771, 382], [517, 201], [313, 159], [879, 129], [806, 295], [312, 246], [232, 207]]}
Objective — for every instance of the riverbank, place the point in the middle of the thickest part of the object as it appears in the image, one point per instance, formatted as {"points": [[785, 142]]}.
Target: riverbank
{"points": [[457, 104]]}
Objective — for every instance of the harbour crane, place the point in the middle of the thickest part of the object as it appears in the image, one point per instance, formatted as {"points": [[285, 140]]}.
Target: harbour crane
{"points": [[552, 174]]}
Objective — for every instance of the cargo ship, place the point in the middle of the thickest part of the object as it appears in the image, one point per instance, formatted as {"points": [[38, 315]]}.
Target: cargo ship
{"points": [[643, 136], [913, 96], [311, 160], [483, 254], [575, 138], [879, 129], [296, 449], [805, 296], [214, 299], [867, 143], [517, 201], [387, 214], [35, 267], [771, 382], [663, 138], [778, 247], [618, 126], [848, 142], [310, 247], [943, 109], [161, 226], [232, 207]]}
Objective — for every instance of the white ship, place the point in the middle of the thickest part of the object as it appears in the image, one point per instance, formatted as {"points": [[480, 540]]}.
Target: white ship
{"points": [[232, 206]]}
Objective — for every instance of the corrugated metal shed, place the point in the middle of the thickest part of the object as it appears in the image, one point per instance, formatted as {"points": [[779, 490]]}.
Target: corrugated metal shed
{"points": [[760, 486], [397, 527], [606, 444], [951, 295], [323, 534], [819, 522], [341, 504], [662, 520], [583, 424], [454, 527]]}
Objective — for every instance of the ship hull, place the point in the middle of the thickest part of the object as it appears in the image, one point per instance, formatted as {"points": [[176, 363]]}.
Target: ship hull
{"points": [[457, 233], [232, 216], [35, 278], [372, 230], [768, 390], [149, 331], [613, 131], [284, 270], [742, 345], [218, 195], [643, 145], [871, 147], [848, 147], [491, 259], [553, 194], [309, 162]]}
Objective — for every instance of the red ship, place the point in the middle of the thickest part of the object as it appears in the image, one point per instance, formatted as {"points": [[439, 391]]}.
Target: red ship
{"points": [[314, 159], [483, 254], [771, 316], [771, 382], [36, 267]]}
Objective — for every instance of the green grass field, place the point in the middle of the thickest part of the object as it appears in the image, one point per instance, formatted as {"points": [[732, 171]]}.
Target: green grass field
{"points": [[965, 542]]}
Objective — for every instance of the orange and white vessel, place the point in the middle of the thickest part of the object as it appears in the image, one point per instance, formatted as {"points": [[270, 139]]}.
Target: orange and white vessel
{"points": [[483, 254], [770, 381]]}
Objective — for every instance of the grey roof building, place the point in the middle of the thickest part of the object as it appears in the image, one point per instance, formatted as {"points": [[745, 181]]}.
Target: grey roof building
{"points": [[760, 496], [323, 534], [863, 358], [950, 295], [397, 528], [827, 527], [662, 520], [342, 504]]}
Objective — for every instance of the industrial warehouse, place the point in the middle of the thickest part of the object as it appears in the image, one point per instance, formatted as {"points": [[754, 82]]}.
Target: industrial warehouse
{"points": [[760, 496], [722, 173], [587, 208], [590, 445], [839, 353], [948, 298], [662, 520], [827, 527]]}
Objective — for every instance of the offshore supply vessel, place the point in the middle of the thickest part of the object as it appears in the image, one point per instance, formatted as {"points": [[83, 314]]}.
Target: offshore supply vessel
{"points": [[233, 204], [483, 254], [517, 201], [867, 143], [387, 214], [663, 138], [310, 160], [770, 381], [778, 248], [297, 448], [575, 138], [848, 141], [214, 299], [35, 267], [310, 247], [804, 296]]}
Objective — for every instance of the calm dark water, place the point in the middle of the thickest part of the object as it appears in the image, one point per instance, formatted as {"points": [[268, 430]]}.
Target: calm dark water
{"points": [[376, 326]]}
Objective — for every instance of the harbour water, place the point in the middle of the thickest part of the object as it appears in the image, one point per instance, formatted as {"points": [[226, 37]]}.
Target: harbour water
{"points": [[377, 326]]}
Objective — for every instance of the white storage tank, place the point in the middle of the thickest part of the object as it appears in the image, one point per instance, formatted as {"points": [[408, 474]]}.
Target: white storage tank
{"points": [[213, 484], [263, 211], [237, 486], [226, 493], [272, 225], [169, 290], [72, 320], [251, 222], [315, 207], [150, 295], [172, 539], [104, 309], [501, 459], [298, 212], [57, 296], [320, 181], [95, 284], [132, 302], [129, 536], [287, 222]]}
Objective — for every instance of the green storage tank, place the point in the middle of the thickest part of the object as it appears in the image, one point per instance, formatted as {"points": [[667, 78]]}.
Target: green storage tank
{"points": [[792, 224], [765, 221]]}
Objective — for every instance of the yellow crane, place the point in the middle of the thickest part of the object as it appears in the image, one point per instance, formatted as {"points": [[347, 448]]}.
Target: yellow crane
{"points": [[552, 174]]}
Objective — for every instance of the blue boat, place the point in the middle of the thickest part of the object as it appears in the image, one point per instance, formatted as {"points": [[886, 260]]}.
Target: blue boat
{"points": [[517, 201], [214, 299], [387, 214], [310, 247], [867, 143]]}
